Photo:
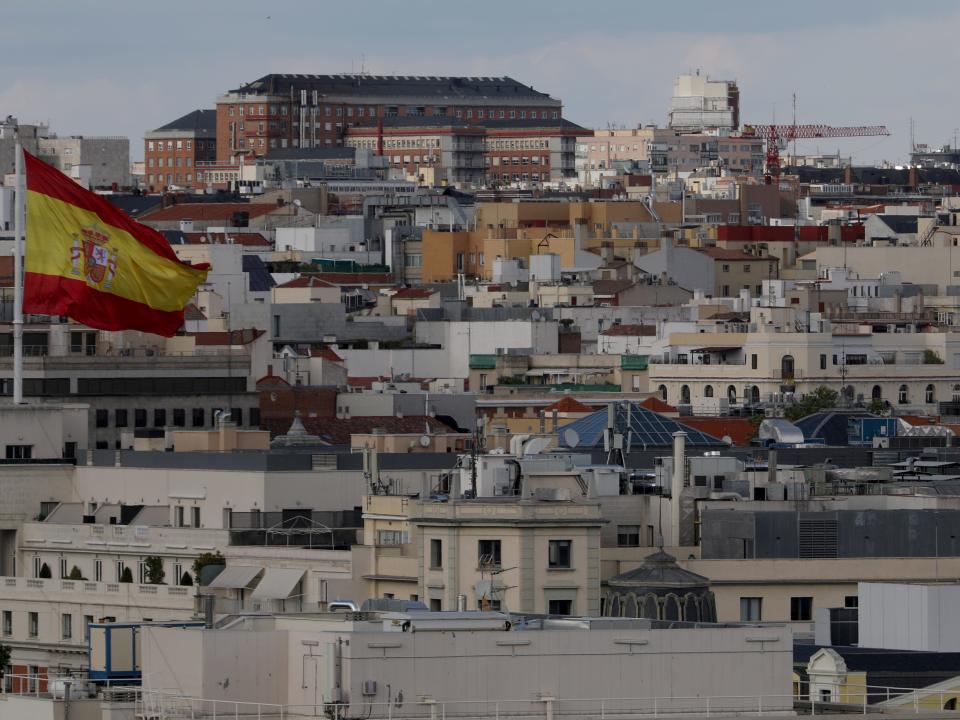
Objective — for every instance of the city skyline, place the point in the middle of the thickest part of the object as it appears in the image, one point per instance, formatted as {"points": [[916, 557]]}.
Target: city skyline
{"points": [[611, 69]]}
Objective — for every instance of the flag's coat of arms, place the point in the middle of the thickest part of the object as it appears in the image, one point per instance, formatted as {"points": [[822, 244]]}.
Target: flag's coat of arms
{"points": [[92, 251]]}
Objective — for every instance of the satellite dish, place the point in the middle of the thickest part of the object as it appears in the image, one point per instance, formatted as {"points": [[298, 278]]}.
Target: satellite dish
{"points": [[424, 441], [483, 589], [727, 440], [535, 315], [570, 437]]}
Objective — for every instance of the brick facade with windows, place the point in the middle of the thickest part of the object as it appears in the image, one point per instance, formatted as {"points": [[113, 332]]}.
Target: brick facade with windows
{"points": [[176, 153], [323, 111]]}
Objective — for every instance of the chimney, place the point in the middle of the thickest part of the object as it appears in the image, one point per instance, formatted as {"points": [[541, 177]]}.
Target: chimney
{"points": [[579, 232], [848, 175], [677, 483], [772, 465]]}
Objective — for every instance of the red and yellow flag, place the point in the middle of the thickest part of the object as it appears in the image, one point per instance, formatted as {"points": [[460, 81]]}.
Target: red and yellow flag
{"points": [[89, 261]]}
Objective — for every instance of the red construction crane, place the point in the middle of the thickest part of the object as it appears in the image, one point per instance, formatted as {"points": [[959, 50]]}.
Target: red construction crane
{"points": [[777, 137]]}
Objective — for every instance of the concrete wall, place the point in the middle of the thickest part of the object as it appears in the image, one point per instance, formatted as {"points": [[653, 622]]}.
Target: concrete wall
{"points": [[513, 668], [905, 616]]}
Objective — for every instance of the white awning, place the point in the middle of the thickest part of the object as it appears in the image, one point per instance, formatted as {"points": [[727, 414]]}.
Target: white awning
{"points": [[277, 583], [236, 576]]}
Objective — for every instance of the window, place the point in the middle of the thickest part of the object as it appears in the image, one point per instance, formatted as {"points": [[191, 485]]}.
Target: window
{"points": [[66, 626], [120, 418], [559, 553], [178, 516], [87, 622], [120, 566], [177, 573], [98, 570], [33, 624], [436, 553], [823, 361], [195, 516], [753, 361], [8, 622], [19, 452], [197, 419], [851, 601], [628, 536], [103, 418], [724, 268], [488, 553], [37, 565], [801, 608], [236, 415], [560, 607], [63, 568], [159, 417], [751, 609], [139, 418], [903, 395], [930, 394], [142, 572]]}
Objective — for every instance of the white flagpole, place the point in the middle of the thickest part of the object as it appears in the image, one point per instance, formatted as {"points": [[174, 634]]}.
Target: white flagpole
{"points": [[19, 219]]}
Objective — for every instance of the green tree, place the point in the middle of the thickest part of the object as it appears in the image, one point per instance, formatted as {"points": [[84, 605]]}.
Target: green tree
{"points": [[207, 558], [126, 576], [187, 578], [155, 572], [823, 398], [4, 658], [75, 574], [877, 406], [930, 357], [45, 572]]}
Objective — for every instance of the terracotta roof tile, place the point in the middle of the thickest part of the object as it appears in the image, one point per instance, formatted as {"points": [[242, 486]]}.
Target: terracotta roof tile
{"points": [[326, 353], [740, 430], [307, 280], [413, 294], [206, 211], [631, 330], [657, 405], [568, 405]]}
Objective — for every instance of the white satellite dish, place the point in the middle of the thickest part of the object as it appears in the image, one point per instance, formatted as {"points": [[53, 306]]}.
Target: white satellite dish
{"points": [[727, 439], [424, 441], [570, 437]]}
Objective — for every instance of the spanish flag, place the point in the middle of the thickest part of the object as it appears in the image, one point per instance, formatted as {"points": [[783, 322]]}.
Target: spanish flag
{"points": [[89, 261]]}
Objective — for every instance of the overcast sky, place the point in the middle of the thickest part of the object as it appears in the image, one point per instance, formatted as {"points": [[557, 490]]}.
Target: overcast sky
{"points": [[123, 67]]}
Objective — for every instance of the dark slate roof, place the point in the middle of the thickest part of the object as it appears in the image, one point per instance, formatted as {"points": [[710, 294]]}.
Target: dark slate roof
{"points": [[899, 223], [829, 426], [134, 205], [646, 428], [876, 175], [444, 90], [659, 570], [860, 659], [260, 278], [203, 122]]}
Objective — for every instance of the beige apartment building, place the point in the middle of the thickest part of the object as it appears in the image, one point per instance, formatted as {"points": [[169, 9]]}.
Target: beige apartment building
{"points": [[666, 150], [752, 367]]}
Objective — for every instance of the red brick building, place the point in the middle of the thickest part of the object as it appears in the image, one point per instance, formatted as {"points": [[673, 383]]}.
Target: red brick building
{"points": [[279, 111], [175, 154]]}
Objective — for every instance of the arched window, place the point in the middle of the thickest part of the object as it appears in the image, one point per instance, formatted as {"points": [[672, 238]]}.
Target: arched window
{"points": [[732, 394], [671, 607], [691, 608], [630, 606], [903, 396], [708, 391], [663, 392], [930, 395], [755, 395], [650, 608], [876, 393], [615, 606], [956, 393], [685, 395]]}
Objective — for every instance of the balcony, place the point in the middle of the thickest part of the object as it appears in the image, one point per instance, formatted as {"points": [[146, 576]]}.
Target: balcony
{"points": [[167, 597], [307, 529]]}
